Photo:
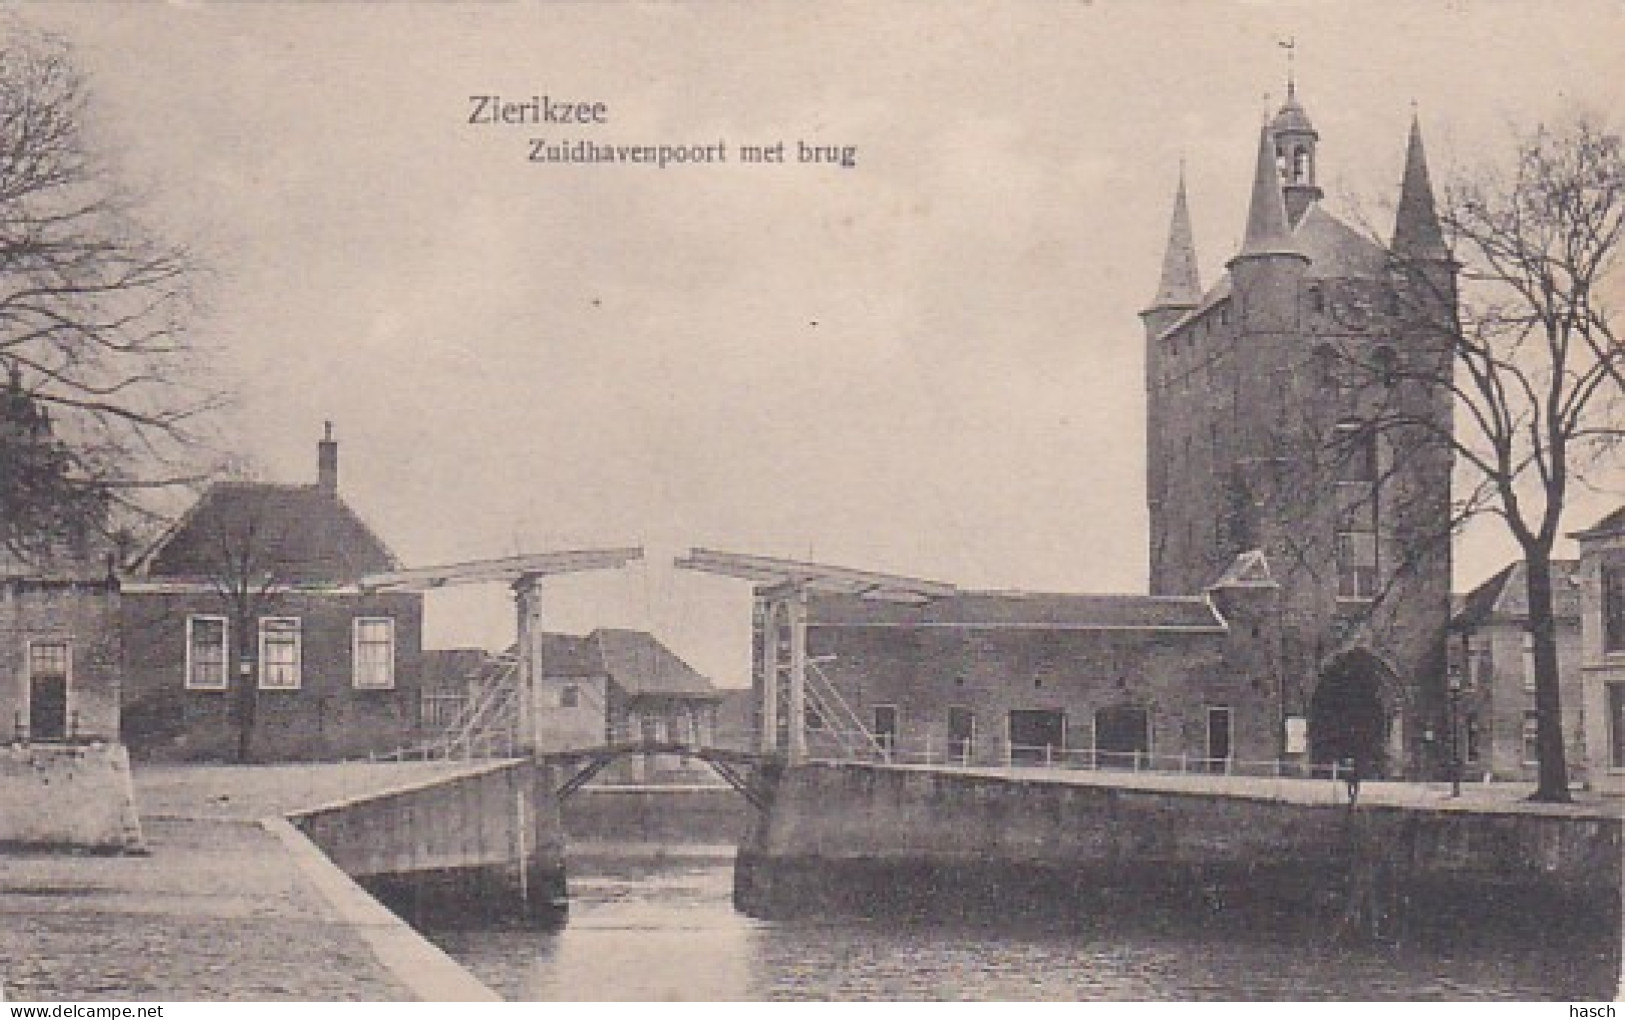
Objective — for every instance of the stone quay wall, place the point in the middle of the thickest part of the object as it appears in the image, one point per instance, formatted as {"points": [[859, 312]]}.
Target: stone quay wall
{"points": [[468, 848], [869, 837]]}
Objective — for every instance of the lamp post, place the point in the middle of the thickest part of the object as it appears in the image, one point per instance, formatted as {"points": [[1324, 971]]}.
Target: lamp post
{"points": [[1453, 703]]}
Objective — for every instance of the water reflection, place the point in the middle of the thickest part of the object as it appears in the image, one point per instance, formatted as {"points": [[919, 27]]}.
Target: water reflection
{"points": [[653, 930]]}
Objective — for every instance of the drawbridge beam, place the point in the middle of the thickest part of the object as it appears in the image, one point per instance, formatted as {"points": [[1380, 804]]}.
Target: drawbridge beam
{"points": [[782, 588], [525, 575]]}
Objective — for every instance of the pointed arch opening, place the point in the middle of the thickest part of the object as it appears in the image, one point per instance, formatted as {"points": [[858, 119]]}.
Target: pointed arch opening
{"points": [[1351, 715]]}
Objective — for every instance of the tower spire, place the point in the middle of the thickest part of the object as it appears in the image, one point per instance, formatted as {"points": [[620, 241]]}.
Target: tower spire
{"points": [[1181, 284], [1267, 230], [1417, 234], [1295, 143]]}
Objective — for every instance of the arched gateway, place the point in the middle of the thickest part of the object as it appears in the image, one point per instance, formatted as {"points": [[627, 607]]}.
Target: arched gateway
{"points": [[1354, 714]]}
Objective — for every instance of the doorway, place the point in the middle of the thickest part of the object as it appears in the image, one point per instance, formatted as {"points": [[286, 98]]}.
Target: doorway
{"points": [[1218, 738], [1348, 720], [1122, 735], [1036, 733], [48, 691], [961, 734], [885, 728]]}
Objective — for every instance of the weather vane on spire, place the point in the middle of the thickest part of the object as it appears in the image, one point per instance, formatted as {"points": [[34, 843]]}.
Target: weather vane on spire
{"points": [[1290, 44]]}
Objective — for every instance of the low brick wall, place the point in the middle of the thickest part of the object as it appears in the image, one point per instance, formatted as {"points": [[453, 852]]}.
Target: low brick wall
{"points": [[77, 797]]}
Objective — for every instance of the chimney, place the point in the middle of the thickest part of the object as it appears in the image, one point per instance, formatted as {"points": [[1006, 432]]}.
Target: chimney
{"points": [[327, 463]]}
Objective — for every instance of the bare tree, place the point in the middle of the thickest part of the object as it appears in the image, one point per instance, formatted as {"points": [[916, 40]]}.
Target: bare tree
{"points": [[1539, 367], [1534, 369], [249, 583], [91, 300], [233, 558]]}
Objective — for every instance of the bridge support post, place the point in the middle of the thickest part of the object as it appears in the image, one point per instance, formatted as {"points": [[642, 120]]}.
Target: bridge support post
{"points": [[528, 602], [768, 612], [796, 609]]}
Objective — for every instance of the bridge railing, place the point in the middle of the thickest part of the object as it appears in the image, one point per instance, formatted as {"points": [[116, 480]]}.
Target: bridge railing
{"points": [[985, 753]]}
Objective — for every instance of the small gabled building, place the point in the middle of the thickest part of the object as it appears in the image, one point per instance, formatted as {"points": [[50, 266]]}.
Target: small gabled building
{"points": [[59, 649], [653, 695], [64, 777], [1493, 661], [609, 686], [248, 632]]}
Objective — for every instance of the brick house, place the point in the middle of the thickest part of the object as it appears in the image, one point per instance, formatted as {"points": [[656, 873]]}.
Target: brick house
{"points": [[1602, 655], [249, 614], [1493, 658]]}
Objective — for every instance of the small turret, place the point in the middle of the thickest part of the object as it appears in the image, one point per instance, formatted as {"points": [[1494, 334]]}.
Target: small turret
{"points": [[1295, 139], [1268, 233], [1417, 234], [1269, 268], [1180, 288]]}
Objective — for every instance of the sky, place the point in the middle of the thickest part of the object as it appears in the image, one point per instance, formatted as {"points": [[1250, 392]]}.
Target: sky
{"points": [[928, 363]]}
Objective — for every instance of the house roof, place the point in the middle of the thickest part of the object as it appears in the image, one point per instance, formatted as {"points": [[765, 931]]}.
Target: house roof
{"points": [[300, 533], [1022, 610], [641, 666], [571, 655], [1336, 250], [1505, 596], [634, 660], [1612, 524], [1250, 569], [93, 566]]}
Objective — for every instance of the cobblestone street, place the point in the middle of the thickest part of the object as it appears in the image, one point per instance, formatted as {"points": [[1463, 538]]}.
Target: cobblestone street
{"points": [[215, 911]]}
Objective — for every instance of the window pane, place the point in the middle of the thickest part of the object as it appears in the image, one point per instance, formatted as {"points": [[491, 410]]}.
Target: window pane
{"points": [[1357, 565], [375, 652], [1616, 724], [1356, 451], [207, 652], [1613, 608], [1531, 739], [48, 659], [1356, 506], [279, 652]]}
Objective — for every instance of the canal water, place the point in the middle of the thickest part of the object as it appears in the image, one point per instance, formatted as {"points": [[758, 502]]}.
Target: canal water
{"points": [[664, 928]]}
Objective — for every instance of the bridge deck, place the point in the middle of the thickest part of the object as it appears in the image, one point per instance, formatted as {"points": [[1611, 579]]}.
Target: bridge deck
{"points": [[729, 755]]}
